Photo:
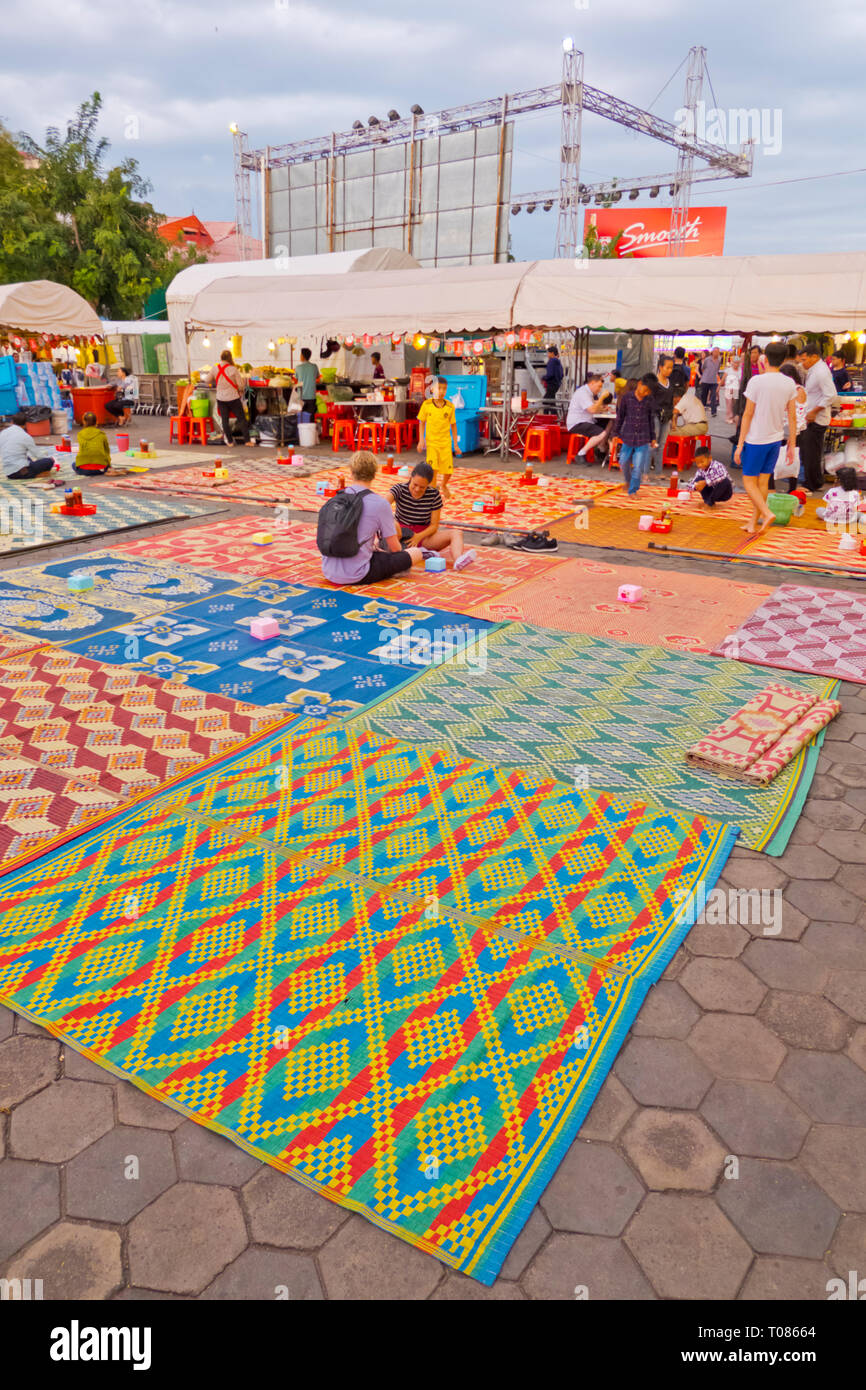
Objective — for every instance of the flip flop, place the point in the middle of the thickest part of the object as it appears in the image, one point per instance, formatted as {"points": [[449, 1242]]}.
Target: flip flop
{"points": [[465, 559]]}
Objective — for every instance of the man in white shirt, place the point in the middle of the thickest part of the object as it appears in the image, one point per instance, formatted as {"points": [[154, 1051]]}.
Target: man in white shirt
{"points": [[20, 457], [585, 405], [770, 408], [820, 391]]}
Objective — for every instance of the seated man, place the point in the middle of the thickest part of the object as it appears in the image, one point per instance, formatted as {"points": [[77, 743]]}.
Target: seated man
{"points": [[127, 394], [368, 564], [690, 417], [418, 508], [586, 403], [20, 455]]}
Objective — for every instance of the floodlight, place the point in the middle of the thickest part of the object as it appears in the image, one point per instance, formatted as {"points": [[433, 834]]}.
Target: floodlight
{"points": [[417, 110], [393, 115], [568, 45]]}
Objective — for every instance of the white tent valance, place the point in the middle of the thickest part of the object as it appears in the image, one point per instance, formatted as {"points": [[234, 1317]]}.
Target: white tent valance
{"points": [[41, 306], [725, 294]]}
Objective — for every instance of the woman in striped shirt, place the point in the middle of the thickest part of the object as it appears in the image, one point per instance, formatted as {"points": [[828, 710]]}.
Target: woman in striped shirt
{"points": [[417, 505]]}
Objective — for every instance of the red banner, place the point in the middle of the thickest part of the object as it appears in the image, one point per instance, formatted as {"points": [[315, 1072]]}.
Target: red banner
{"points": [[646, 231]]}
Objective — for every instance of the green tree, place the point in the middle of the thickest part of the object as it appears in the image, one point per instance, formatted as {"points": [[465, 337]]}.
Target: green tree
{"points": [[70, 218], [596, 249]]}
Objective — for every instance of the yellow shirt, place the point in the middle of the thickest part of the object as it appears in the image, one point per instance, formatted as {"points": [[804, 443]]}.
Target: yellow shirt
{"points": [[437, 421]]}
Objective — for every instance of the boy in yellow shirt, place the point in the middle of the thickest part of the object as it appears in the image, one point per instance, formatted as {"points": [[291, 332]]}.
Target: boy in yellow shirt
{"points": [[437, 420]]}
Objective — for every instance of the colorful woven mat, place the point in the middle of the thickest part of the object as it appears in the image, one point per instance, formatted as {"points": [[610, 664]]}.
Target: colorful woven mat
{"points": [[250, 479], [332, 656], [757, 741], [689, 612], [105, 736], [616, 529], [526, 508], [605, 715], [294, 556], [821, 631], [806, 549], [400, 978], [26, 521]]}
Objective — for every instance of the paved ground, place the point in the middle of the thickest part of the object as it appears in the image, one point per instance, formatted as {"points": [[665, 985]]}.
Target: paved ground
{"points": [[725, 1157]]}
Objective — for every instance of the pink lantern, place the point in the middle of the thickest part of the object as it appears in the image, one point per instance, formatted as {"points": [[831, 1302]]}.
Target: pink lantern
{"points": [[367, 340]]}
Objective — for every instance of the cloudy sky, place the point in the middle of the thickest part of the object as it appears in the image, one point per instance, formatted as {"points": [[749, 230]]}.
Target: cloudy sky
{"points": [[175, 73]]}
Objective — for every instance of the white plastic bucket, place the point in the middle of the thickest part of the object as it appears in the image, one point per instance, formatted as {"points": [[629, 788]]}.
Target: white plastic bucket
{"points": [[308, 436]]}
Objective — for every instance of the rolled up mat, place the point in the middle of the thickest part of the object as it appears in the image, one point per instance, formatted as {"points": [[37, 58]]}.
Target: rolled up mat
{"points": [[762, 772], [736, 744]]}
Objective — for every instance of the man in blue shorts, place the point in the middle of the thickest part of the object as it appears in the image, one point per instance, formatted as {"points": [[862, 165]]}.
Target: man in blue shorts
{"points": [[770, 406]]}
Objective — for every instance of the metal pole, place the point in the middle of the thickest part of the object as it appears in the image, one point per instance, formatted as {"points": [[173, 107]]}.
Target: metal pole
{"points": [[266, 193], [411, 199], [499, 179], [332, 219], [568, 236], [686, 159]]}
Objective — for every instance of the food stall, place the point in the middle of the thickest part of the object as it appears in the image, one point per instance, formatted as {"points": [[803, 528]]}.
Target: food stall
{"points": [[36, 318]]}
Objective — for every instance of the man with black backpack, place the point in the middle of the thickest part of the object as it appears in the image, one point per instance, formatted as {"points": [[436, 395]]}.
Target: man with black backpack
{"points": [[349, 527]]}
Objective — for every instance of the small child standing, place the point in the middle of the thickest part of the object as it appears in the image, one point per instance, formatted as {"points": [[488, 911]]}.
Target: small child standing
{"points": [[437, 420], [712, 479], [94, 454]]}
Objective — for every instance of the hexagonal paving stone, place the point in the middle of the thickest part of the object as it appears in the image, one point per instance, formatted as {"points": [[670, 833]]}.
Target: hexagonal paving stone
{"points": [[203, 1156], [840, 945], [73, 1262], [835, 1155], [527, 1245], [852, 878], [737, 1045], [363, 1262], [829, 1087], [60, 1121], [275, 1275], [610, 1110], [794, 923], [29, 1201], [753, 871], [596, 1268], [457, 1288], [33, 1030], [808, 862], [823, 902], [687, 1247], [184, 1239], [785, 965], [716, 939], [772, 1278], [833, 817], [7, 1022], [675, 964], [848, 845], [667, 1012], [848, 1251], [848, 990], [284, 1212], [663, 1071], [97, 1185], [724, 985], [81, 1068], [593, 1191], [135, 1108], [755, 1118], [673, 1149], [806, 1020], [27, 1065], [779, 1210]]}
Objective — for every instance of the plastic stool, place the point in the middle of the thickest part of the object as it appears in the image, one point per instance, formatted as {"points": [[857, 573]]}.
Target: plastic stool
{"points": [[613, 455], [344, 435], [680, 449], [201, 426], [537, 445], [179, 425], [369, 436], [400, 431], [575, 444]]}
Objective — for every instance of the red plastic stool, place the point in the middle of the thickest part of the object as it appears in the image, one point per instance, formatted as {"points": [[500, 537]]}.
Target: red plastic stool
{"points": [[344, 435], [369, 436], [200, 425], [680, 449], [537, 445], [400, 431], [613, 455], [179, 425], [575, 444]]}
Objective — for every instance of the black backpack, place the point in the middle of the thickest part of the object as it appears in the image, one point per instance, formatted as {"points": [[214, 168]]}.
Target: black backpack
{"points": [[337, 527]]}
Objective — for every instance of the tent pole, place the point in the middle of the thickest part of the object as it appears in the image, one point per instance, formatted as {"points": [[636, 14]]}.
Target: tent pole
{"points": [[187, 333], [507, 392]]}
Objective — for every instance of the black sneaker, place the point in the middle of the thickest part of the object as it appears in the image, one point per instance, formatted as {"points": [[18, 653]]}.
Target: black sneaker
{"points": [[537, 543]]}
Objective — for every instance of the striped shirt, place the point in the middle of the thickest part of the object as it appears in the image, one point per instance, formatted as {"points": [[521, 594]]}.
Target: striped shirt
{"points": [[415, 511]]}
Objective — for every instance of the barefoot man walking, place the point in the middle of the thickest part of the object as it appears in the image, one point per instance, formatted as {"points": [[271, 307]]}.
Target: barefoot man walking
{"points": [[770, 405]]}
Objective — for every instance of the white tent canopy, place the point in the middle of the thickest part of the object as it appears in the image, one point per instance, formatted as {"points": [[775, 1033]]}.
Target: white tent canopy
{"points": [[733, 294], [197, 279], [41, 306]]}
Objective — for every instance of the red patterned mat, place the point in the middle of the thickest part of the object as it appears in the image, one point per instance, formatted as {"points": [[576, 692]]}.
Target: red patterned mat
{"points": [[822, 631], [78, 738], [293, 556]]}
